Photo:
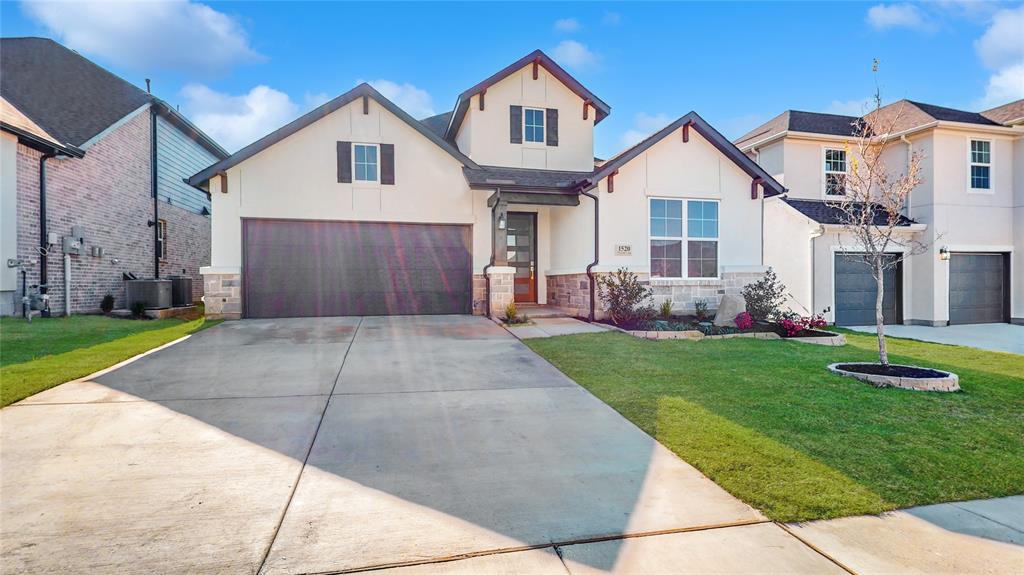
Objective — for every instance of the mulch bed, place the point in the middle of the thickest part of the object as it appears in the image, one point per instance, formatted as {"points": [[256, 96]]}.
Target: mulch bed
{"points": [[893, 370]]}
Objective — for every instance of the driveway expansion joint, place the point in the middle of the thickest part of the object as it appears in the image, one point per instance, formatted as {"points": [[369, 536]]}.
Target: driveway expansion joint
{"points": [[305, 460], [554, 545], [985, 517], [814, 548]]}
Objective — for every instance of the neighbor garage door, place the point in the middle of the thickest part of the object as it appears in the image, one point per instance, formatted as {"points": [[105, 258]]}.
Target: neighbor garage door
{"points": [[306, 268], [856, 289], [977, 288]]}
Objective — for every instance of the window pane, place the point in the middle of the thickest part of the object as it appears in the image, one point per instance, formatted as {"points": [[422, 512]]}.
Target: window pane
{"points": [[666, 258], [675, 208], [710, 229], [371, 172], [658, 209], [360, 171], [711, 210], [658, 227], [360, 153], [835, 184], [702, 260], [980, 177], [674, 228], [371, 154]]}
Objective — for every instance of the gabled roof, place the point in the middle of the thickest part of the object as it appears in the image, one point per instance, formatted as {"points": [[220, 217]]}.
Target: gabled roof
{"points": [[283, 132], [437, 124], [798, 121], [830, 214], [1007, 114], [67, 95], [911, 115], [71, 98], [462, 103], [771, 187], [29, 133], [522, 178]]}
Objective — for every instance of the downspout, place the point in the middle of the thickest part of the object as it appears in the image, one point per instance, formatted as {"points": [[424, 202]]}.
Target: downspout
{"points": [[597, 252], [490, 263], [817, 233], [910, 196], [44, 244], [156, 198]]}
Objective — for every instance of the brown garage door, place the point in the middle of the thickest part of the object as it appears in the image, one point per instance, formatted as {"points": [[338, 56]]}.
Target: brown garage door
{"points": [[298, 268]]}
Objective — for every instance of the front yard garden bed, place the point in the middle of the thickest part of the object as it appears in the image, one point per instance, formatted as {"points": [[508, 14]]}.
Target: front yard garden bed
{"points": [[904, 376], [773, 427]]}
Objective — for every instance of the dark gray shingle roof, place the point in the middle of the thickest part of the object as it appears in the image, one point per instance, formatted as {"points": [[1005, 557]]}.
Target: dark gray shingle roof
{"points": [[822, 123], [952, 115], [437, 124], [492, 176], [64, 93], [828, 213]]}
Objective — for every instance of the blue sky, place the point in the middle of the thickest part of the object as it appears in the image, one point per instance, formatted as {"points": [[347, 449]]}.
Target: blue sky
{"points": [[242, 69]]}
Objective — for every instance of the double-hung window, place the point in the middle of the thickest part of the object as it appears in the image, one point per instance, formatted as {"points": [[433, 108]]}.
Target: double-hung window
{"points": [[981, 165], [161, 239], [835, 172], [365, 163], [533, 125], [684, 251]]}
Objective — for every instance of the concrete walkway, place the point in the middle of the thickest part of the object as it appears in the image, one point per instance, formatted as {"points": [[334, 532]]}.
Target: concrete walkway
{"points": [[991, 336], [548, 327], [434, 444]]}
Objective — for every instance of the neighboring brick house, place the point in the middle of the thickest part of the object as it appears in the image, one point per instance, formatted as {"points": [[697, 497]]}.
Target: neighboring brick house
{"points": [[96, 133]]}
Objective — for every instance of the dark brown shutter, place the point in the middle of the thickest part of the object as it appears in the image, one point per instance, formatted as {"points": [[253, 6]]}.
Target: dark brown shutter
{"points": [[515, 124], [345, 162], [387, 164], [551, 127]]}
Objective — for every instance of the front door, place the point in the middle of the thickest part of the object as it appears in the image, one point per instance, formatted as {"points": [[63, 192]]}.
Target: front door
{"points": [[522, 254]]}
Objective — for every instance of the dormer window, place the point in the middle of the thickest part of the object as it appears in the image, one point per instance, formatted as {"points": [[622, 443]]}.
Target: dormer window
{"points": [[835, 172], [533, 125]]}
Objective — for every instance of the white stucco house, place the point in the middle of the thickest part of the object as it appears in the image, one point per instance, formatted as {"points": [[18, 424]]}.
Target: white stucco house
{"points": [[969, 208], [357, 208]]}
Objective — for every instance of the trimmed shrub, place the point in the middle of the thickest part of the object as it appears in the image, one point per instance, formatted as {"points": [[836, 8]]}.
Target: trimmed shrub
{"points": [[107, 305], [628, 300], [765, 297]]}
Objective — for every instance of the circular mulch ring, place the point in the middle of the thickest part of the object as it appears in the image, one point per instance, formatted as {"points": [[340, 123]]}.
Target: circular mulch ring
{"points": [[902, 376]]}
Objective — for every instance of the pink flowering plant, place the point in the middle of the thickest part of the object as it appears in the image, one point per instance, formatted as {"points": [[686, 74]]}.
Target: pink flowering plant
{"points": [[744, 321], [794, 324]]}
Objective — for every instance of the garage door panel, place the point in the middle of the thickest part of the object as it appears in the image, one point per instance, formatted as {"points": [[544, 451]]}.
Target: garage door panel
{"points": [[296, 268], [977, 288], [855, 290]]}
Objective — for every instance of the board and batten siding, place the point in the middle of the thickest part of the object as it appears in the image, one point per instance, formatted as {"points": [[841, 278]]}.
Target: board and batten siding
{"points": [[178, 157]]}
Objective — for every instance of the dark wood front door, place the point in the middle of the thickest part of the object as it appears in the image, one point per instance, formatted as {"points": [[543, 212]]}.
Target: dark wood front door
{"points": [[522, 254]]}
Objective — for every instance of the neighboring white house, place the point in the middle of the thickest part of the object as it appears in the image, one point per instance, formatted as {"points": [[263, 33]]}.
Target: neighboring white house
{"points": [[358, 208], [969, 208]]}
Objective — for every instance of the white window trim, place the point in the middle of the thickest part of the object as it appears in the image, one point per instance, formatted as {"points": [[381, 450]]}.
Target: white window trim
{"points": [[991, 165], [356, 180], [544, 126], [161, 235], [825, 172], [685, 238]]}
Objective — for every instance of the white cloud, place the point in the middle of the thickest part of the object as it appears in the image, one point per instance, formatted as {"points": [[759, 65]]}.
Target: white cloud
{"points": [[1006, 85], [236, 121], [415, 101], [1001, 49], [567, 25], [643, 125], [575, 55], [314, 100], [851, 107], [885, 16], [177, 35], [611, 19], [1003, 43]]}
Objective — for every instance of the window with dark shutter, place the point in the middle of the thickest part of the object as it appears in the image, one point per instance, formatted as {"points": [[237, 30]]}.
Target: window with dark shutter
{"points": [[552, 127], [345, 162], [515, 124], [387, 164]]}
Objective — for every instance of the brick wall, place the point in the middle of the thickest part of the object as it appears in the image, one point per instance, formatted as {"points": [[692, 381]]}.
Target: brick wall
{"points": [[108, 193], [188, 245]]}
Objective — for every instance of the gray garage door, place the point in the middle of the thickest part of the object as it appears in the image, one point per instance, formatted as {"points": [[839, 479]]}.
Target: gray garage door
{"points": [[977, 290], [304, 268], [855, 293]]}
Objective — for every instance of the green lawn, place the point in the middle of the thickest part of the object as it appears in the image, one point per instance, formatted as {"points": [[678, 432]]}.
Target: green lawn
{"points": [[50, 351], [767, 422]]}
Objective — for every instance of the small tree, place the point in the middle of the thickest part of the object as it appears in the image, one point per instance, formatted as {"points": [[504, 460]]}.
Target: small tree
{"points": [[871, 201]]}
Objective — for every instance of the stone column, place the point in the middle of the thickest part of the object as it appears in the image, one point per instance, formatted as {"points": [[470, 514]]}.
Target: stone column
{"points": [[222, 292], [502, 279]]}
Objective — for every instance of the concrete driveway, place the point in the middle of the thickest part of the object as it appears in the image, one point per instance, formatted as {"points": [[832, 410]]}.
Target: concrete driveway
{"points": [[327, 445], [1004, 337]]}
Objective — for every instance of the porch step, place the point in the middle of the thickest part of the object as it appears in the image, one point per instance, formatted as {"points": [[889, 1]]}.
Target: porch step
{"points": [[535, 310]]}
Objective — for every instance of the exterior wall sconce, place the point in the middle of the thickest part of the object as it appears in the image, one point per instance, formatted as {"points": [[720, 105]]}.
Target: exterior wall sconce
{"points": [[501, 222], [944, 254]]}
